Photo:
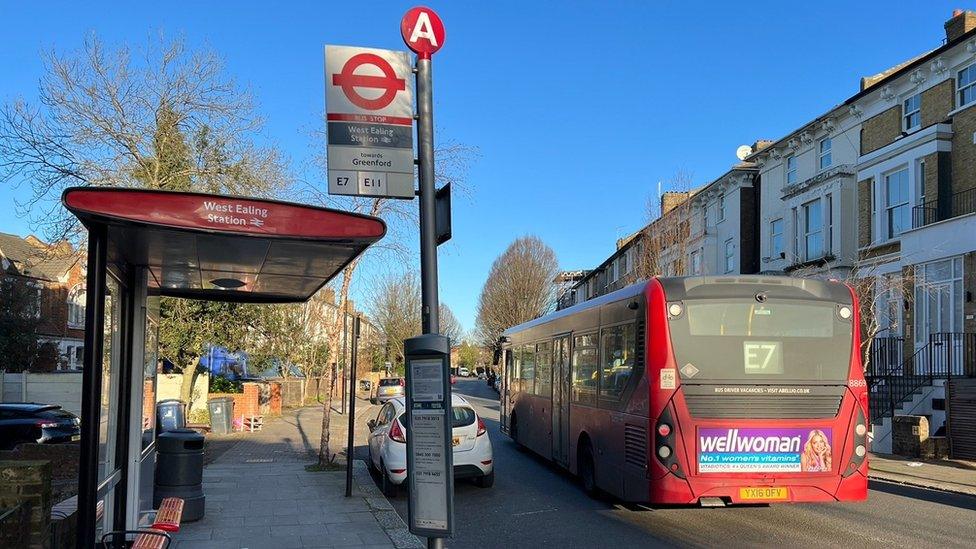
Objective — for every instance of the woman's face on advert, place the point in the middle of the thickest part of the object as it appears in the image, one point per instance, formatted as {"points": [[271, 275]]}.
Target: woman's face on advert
{"points": [[819, 444]]}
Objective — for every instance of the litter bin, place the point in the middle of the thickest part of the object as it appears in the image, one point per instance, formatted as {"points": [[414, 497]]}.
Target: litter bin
{"points": [[221, 415], [170, 415], [179, 471]]}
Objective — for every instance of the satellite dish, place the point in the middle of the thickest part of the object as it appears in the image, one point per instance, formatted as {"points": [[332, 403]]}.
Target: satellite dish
{"points": [[743, 151]]}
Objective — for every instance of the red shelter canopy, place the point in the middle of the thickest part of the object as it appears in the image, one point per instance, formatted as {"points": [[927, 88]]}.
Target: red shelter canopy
{"points": [[224, 247]]}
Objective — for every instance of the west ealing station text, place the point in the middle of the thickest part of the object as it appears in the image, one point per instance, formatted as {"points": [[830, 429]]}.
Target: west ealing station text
{"points": [[223, 212]]}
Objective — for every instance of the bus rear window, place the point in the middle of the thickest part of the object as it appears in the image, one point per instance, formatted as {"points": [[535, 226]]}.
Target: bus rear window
{"points": [[732, 340]]}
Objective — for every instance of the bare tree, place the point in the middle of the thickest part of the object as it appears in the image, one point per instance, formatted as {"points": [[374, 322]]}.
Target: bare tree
{"points": [[662, 241], [451, 164], [520, 286], [449, 325], [395, 308], [163, 117]]}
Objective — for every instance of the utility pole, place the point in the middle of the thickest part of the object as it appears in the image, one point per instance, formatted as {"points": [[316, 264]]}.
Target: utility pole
{"points": [[350, 444]]}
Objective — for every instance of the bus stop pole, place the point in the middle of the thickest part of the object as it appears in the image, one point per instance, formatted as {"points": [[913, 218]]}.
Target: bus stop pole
{"points": [[428, 231], [428, 228], [350, 444]]}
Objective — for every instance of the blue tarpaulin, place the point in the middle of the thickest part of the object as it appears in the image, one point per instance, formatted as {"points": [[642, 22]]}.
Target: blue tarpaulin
{"points": [[223, 363]]}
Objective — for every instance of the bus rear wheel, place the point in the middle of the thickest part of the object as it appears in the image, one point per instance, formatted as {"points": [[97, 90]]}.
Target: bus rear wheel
{"points": [[587, 470]]}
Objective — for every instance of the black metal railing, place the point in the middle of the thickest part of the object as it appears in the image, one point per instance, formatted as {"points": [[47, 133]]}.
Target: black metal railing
{"points": [[945, 355], [963, 202], [887, 353], [926, 214], [960, 203]]}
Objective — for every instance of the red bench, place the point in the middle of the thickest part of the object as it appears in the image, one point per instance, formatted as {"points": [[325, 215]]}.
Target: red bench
{"points": [[156, 536], [169, 514]]}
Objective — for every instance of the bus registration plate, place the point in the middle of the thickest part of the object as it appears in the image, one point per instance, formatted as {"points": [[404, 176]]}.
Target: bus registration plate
{"points": [[763, 493]]}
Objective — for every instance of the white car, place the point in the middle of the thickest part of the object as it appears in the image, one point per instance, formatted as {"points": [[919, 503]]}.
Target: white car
{"points": [[388, 445], [463, 372]]}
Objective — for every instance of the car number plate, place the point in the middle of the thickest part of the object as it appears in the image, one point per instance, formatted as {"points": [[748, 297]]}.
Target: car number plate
{"points": [[763, 493], [455, 441], [75, 438]]}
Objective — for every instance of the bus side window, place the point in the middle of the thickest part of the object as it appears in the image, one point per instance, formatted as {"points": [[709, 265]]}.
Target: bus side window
{"points": [[543, 369], [527, 369], [619, 346], [586, 370]]}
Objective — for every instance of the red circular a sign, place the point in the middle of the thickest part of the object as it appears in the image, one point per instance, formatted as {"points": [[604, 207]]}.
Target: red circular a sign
{"points": [[423, 31], [348, 80]]}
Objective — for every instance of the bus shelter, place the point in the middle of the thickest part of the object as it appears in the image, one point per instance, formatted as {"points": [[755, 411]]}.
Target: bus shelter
{"points": [[143, 244]]}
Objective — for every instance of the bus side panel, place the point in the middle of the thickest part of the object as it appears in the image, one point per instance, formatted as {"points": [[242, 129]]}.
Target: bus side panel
{"points": [[535, 423]]}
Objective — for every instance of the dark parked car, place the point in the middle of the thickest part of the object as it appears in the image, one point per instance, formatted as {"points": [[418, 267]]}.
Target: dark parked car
{"points": [[22, 422]]}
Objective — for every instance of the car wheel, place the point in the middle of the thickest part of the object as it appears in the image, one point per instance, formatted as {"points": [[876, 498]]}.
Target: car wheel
{"points": [[387, 486], [587, 470], [369, 460], [486, 481]]}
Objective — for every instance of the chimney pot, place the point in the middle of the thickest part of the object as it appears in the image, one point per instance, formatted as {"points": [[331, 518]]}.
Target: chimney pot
{"points": [[957, 12]]}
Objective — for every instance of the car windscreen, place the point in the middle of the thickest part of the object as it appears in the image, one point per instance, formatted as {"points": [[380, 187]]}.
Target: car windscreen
{"points": [[389, 382], [462, 416], [749, 341]]}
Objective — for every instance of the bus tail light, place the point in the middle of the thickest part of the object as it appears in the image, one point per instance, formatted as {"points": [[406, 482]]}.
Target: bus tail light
{"points": [[481, 427], [860, 438], [664, 443], [396, 433]]}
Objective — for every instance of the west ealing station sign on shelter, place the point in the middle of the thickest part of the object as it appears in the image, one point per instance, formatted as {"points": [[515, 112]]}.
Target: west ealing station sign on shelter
{"points": [[369, 111]]}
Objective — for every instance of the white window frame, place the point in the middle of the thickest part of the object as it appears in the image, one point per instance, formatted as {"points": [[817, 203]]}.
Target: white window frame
{"points": [[906, 115], [790, 171], [827, 213], [960, 90], [809, 231], [774, 251], [721, 208], [696, 262], [796, 234], [729, 256], [887, 207], [76, 309], [825, 154]]}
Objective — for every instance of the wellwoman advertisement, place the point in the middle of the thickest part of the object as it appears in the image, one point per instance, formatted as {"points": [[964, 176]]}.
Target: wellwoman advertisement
{"points": [[772, 450]]}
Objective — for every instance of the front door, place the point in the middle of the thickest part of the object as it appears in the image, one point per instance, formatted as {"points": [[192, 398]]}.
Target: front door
{"points": [[938, 299], [560, 400]]}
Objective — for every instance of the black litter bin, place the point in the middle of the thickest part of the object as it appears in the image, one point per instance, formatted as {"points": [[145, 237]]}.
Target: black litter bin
{"points": [[221, 415], [170, 415], [179, 471]]}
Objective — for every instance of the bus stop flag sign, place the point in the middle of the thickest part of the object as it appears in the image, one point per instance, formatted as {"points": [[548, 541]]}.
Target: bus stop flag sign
{"points": [[369, 113]]}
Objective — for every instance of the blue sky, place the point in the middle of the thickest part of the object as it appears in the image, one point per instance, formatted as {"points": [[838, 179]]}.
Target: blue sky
{"points": [[578, 109]]}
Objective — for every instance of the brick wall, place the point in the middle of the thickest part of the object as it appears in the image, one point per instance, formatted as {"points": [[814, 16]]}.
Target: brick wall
{"points": [[275, 404], [881, 129], [908, 327], [864, 189], [937, 101], [930, 183], [64, 460], [29, 482], [246, 403], [963, 150]]}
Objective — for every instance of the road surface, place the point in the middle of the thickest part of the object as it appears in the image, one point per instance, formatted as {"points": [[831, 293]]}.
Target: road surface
{"points": [[535, 504]]}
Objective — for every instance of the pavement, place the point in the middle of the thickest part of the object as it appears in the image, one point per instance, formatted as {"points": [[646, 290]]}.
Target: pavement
{"points": [[259, 493], [955, 476]]}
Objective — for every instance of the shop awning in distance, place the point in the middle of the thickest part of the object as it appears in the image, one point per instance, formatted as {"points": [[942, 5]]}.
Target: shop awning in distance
{"points": [[225, 248]]}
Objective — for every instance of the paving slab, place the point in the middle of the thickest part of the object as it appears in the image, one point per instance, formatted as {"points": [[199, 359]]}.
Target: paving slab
{"points": [[955, 476], [259, 494]]}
